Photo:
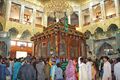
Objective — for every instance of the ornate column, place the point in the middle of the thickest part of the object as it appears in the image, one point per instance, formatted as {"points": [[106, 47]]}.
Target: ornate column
{"points": [[33, 49], [8, 9], [34, 17], [117, 8], [78, 47], [68, 46], [46, 44], [102, 4], [45, 20], [42, 19], [57, 43], [85, 48], [80, 18], [52, 43], [91, 12], [22, 13]]}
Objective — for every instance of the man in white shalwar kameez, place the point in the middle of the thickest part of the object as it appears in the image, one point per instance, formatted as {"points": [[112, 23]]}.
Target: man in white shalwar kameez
{"points": [[89, 69], [82, 69], [107, 75], [117, 69], [79, 65]]}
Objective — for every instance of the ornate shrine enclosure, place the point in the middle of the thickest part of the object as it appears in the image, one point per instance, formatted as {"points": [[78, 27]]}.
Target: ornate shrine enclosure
{"points": [[55, 41]]}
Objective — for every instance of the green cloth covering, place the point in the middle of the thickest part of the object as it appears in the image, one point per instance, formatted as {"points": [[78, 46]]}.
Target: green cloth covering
{"points": [[66, 23], [63, 66]]}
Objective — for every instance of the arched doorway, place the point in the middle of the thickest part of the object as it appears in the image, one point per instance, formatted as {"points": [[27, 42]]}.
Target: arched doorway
{"points": [[98, 31], [13, 32], [112, 28], [105, 49], [25, 35], [75, 19], [87, 34]]}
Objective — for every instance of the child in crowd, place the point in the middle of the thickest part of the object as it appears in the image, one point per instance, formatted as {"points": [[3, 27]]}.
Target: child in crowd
{"points": [[59, 72]]}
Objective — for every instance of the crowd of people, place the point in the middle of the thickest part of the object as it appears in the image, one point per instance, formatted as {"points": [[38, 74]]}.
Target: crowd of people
{"points": [[32, 68]]}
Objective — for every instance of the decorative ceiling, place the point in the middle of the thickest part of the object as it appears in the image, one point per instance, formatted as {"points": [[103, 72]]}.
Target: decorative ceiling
{"points": [[76, 1]]}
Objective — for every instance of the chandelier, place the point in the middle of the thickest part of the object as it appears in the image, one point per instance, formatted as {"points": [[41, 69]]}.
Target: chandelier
{"points": [[58, 8]]}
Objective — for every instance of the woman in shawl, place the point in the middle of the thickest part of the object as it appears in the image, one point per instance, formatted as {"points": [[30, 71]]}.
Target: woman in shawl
{"points": [[70, 71]]}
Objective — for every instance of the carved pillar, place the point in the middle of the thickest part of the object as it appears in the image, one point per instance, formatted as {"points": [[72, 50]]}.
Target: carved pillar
{"points": [[78, 47], [42, 23], [45, 21], [36, 48], [102, 4], [8, 9], [46, 40], [68, 47], [33, 17], [33, 49], [52, 42], [22, 13], [46, 47], [58, 44], [57, 39], [38, 53], [91, 12], [41, 47], [84, 48], [117, 8], [80, 18]]}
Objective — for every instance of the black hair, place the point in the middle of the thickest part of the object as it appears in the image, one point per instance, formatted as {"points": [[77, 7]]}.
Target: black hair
{"points": [[118, 59], [106, 57], [17, 60], [82, 60], [89, 59], [33, 58], [10, 59], [58, 65]]}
